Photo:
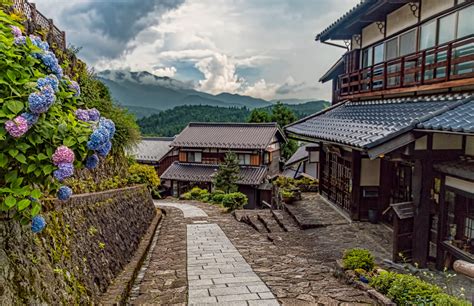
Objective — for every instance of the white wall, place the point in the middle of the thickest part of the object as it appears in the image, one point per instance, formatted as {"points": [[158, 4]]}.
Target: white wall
{"points": [[470, 145], [370, 172], [400, 19], [447, 141], [371, 34], [432, 7]]}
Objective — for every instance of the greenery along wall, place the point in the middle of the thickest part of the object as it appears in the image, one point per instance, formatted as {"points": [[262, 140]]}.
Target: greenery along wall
{"points": [[47, 130]]}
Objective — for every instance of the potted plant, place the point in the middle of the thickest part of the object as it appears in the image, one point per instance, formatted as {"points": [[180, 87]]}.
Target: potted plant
{"points": [[287, 196]]}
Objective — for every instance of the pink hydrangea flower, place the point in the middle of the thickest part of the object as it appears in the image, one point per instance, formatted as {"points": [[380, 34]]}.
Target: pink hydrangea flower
{"points": [[16, 31], [63, 155], [16, 127]]}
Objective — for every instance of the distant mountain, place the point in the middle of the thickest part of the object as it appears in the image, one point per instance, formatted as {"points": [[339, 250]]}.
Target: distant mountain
{"points": [[291, 101], [144, 90], [170, 122]]}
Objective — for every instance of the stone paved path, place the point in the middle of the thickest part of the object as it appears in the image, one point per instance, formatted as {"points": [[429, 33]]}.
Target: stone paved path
{"points": [[217, 273], [189, 211]]}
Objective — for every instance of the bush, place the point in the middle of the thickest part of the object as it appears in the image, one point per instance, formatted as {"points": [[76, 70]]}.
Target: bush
{"points": [[408, 289], [235, 200], [383, 281], [358, 259], [196, 193], [143, 174], [446, 299], [217, 196]]}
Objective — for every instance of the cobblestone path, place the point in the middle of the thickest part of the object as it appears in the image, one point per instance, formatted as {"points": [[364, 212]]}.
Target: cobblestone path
{"points": [[189, 211]]}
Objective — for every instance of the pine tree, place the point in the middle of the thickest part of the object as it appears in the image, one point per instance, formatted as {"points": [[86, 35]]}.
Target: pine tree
{"points": [[228, 174], [259, 116]]}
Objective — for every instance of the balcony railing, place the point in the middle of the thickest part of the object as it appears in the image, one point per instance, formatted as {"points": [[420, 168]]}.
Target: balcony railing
{"points": [[447, 62]]}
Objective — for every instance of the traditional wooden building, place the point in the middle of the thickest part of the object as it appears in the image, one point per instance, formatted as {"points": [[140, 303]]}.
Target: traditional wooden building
{"points": [[304, 162], [155, 151], [400, 132], [202, 147]]}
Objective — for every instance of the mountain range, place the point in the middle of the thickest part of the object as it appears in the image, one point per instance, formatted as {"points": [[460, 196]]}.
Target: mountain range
{"points": [[145, 94]]}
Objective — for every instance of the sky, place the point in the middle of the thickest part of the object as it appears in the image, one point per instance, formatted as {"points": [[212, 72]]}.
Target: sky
{"points": [[261, 48]]}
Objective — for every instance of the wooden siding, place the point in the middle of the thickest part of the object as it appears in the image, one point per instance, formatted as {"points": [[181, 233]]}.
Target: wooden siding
{"points": [[183, 157]]}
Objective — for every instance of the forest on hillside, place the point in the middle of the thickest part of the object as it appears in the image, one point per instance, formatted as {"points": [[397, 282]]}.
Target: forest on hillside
{"points": [[171, 122]]}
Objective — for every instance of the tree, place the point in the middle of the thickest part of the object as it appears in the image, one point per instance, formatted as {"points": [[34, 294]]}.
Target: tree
{"points": [[228, 174], [259, 116], [282, 115]]}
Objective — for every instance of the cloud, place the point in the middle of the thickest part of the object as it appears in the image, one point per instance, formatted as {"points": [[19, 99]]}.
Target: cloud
{"points": [[290, 86], [165, 72]]}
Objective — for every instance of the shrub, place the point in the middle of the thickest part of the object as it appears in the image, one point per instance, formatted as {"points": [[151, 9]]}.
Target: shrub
{"points": [[383, 281], [186, 196], [358, 259], [408, 289], [235, 200], [217, 196], [143, 174], [446, 299], [196, 193]]}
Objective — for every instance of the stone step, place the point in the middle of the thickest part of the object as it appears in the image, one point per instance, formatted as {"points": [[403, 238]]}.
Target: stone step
{"points": [[256, 223], [270, 222], [285, 221]]}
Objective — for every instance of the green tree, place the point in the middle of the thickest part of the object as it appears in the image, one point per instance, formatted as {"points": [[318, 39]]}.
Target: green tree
{"points": [[259, 116], [282, 115], [228, 174]]}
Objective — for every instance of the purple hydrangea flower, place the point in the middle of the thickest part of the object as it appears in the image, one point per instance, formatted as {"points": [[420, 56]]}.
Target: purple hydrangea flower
{"points": [[94, 114], [109, 125], [98, 138], [64, 193], [37, 224], [30, 118], [16, 31], [74, 86], [41, 101], [38, 42], [20, 40], [92, 161], [64, 171], [51, 80], [105, 149], [16, 127], [82, 114], [63, 155]]}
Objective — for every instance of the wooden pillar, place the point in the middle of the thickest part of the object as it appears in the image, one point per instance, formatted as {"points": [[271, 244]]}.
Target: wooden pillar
{"points": [[422, 181], [386, 174], [442, 224], [322, 164], [356, 165]]}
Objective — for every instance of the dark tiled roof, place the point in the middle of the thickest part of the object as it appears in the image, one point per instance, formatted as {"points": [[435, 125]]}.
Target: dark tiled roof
{"points": [[228, 135], [369, 123], [189, 172], [461, 168], [152, 149], [459, 119]]}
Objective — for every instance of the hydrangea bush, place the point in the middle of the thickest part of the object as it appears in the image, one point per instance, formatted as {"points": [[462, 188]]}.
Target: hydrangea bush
{"points": [[45, 132]]}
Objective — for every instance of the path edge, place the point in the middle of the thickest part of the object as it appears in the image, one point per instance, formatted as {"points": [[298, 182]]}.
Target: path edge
{"points": [[118, 291]]}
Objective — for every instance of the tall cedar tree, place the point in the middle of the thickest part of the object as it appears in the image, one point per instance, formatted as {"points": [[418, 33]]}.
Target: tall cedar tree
{"points": [[228, 174], [259, 116]]}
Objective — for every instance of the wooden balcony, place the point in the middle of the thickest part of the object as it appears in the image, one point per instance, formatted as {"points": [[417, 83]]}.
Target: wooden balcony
{"points": [[442, 67]]}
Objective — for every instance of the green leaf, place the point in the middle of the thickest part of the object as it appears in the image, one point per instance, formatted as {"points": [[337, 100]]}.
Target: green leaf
{"points": [[23, 204], [10, 201], [31, 168], [35, 209], [48, 169], [36, 194], [14, 106], [42, 156], [3, 160], [69, 142], [21, 158], [11, 176], [13, 152]]}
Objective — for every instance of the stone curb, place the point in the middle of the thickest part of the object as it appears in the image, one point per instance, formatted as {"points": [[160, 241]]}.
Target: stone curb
{"points": [[350, 278], [117, 293]]}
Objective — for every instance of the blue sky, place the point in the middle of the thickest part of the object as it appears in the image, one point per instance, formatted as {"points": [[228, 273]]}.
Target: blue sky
{"points": [[262, 48]]}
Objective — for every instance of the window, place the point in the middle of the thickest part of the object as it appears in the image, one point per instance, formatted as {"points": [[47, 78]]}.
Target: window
{"points": [[408, 43], [465, 22], [391, 48], [428, 35], [194, 157], [367, 57], [469, 228], [266, 157], [447, 29], [378, 54], [244, 159]]}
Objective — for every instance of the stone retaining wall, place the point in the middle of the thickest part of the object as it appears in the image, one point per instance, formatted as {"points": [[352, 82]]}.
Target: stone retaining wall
{"points": [[87, 242]]}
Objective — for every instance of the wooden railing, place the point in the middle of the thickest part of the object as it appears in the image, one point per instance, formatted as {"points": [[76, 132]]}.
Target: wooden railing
{"points": [[36, 21], [443, 63]]}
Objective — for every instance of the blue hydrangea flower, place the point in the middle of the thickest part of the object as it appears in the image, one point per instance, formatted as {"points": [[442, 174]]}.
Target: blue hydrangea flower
{"points": [[98, 138], [38, 42], [64, 171], [82, 114], [94, 114], [74, 86], [64, 193], [92, 161], [20, 40], [40, 102], [51, 80], [37, 224], [30, 118], [50, 60], [109, 125], [105, 149]]}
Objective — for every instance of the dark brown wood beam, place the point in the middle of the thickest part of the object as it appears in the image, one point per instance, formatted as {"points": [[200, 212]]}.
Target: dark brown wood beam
{"points": [[356, 190]]}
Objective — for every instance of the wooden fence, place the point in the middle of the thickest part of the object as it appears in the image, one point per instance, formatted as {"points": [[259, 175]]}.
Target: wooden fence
{"points": [[37, 22]]}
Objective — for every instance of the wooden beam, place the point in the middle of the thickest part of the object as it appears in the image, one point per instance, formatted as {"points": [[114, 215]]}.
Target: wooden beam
{"points": [[414, 89], [442, 225], [356, 192]]}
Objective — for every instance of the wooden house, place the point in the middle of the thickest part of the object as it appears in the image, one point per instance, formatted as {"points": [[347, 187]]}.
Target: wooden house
{"points": [[155, 151], [203, 146], [401, 127], [304, 162]]}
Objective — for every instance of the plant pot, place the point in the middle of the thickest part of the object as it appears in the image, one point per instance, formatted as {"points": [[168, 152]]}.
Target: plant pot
{"points": [[288, 200], [373, 216]]}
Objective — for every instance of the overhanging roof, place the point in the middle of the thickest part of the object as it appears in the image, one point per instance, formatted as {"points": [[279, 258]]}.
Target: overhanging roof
{"points": [[463, 168], [152, 149], [360, 16], [190, 172], [334, 71], [368, 124]]}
